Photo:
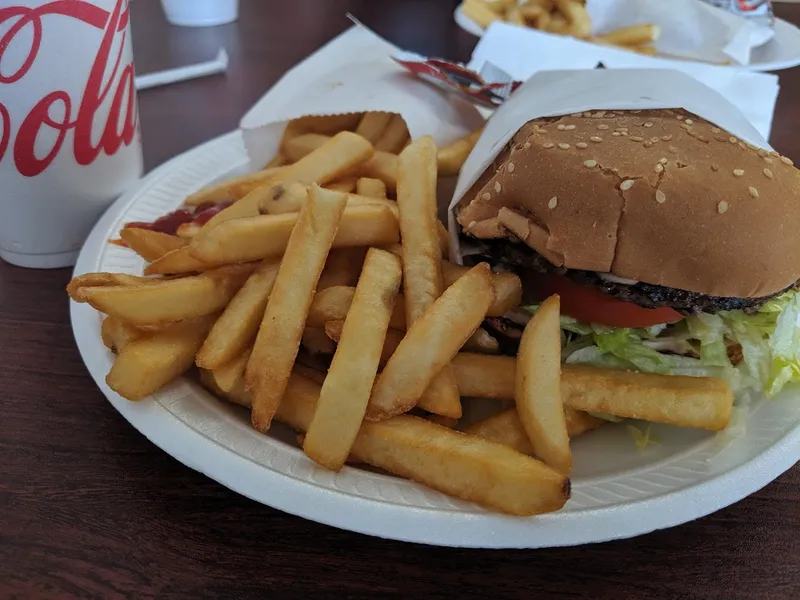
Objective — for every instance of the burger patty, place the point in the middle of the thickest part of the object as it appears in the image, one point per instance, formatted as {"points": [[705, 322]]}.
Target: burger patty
{"points": [[517, 255]]}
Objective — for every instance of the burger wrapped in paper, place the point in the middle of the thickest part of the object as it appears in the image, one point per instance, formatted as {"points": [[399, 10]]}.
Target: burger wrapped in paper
{"points": [[669, 235]]}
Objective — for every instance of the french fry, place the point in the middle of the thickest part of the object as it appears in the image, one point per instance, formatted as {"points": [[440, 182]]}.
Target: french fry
{"points": [[645, 50], [701, 402], [76, 286], [342, 268], [187, 231], [315, 341], [381, 166], [481, 341], [449, 461], [285, 198], [507, 287], [537, 387], [322, 124], [372, 125], [430, 343], [176, 261], [480, 13], [514, 16], [263, 236], [304, 144], [580, 25], [372, 188], [148, 244], [237, 395], [556, 23], [169, 300], [394, 136], [335, 158], [333, 329], [635, 35], [451, 158], [346, 391], [448, 422], [116, 333], [506, 428], [346, 185], [309, 373], [333, 303], [147, 364], [237, 326], [230, 189], [278, 338], [229, 375], [422, 259], [276, 161]]}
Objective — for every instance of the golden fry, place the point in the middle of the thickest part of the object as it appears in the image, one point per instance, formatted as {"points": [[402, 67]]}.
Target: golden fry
{"points": [[229, 375], [429, 344], [346, 391], [372, 188], [346, 185], [481, 341], [342, 268], [333, 329], [116, 333], [372, 125], [236, 328], [230, 189], [381, 166], [480, 13], [580, 25], [176, 261], [332, 304], [507, 287], [451, 158], [315, 341], [148, 244], [635, 35], [394, 137], [278, 338], [289, 197]]}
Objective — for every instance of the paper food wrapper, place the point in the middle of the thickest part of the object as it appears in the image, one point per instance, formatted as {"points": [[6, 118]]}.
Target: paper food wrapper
{"points": [[689, 29], [554, 93], [520, 52], [354, 72]]}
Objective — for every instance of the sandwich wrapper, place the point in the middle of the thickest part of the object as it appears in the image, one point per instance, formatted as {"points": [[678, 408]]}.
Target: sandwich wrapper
{"points": [[554, 93], [520, 52], [354, 72], [689, 28]]}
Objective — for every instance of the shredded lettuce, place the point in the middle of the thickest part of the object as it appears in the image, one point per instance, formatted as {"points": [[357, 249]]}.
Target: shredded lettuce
{"points": [[698, 345], [642, 438]]}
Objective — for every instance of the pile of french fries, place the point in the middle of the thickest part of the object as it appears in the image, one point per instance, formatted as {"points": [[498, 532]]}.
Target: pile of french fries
{"points": [[564, 17], [334, 249]]}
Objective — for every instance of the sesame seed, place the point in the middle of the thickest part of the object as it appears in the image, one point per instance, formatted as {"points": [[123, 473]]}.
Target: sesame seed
{"points": [[626, 185], [548, 145], [542, 130], [689, 122], [786, 161], [621, 129], [673, 149], [561, 127], [773, 153], [511, 167], [722, 207], [526, 145], [768, 173], [666, 138], [636, 138], [732, 140], [590, 163], [752, 191], [582, 145], [648, 124], [768, 160], [648, 144], [663, 160], [602, 127], [654, 139], [616, 134], [576, 115], [686, 126], [497, 187], [716, 130], [738, 172], [679, 117], [714, 167], [569, 127], [751, 146], [763, 153], [660, 197], [553, 202], [658, 168], [623, 133], [720, 138], [599, 114], [563, 146], [702, 138], [486, 196], [595, 138], [742, 146]]}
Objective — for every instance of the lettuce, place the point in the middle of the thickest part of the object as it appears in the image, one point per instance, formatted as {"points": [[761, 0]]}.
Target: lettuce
{"points": [[698, 345]]}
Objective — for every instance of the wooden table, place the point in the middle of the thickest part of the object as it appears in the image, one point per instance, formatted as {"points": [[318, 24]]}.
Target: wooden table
{"points": [[89, 508]]}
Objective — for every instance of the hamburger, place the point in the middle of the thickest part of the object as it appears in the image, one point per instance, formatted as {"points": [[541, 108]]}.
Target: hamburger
{"points": [[673, 245]]}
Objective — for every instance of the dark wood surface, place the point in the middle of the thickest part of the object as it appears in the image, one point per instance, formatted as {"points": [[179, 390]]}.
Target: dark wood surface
{"points": [[89, 508]]}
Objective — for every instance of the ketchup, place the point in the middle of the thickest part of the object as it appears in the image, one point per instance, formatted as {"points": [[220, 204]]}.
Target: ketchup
{"points": [[170, 222]]}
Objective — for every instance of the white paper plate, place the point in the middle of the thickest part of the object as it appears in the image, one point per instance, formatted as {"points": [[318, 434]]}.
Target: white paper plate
{"points": [[781, 52], [617, 491]]}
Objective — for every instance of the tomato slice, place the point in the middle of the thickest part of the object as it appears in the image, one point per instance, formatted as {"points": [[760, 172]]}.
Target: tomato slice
{"points": [[591, 305]]}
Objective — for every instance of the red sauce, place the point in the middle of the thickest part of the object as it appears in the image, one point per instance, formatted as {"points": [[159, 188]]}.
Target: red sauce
{"points": [[170, 222]]}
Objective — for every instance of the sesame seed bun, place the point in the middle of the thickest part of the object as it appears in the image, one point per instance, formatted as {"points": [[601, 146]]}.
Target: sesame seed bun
{"points": [[657, 196]]}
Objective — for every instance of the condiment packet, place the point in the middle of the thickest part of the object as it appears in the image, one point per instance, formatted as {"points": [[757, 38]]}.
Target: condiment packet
{"points": [[689, 29], [554, 93], [354, 72], [521, 52]]}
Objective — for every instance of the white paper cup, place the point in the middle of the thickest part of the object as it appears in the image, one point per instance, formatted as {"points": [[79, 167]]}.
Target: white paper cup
{"points": [[200, 13], [69, 135]]}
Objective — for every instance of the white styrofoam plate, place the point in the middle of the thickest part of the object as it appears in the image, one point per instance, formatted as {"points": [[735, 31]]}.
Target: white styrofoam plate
{"points": [[618, 491], [781, 52]]}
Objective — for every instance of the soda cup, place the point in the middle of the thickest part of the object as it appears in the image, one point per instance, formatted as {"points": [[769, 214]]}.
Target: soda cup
{"points": [[69, 131]]}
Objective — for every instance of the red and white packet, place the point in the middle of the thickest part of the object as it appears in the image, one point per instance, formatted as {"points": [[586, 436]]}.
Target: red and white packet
{"points": [[553, 93], [355, 72]]}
